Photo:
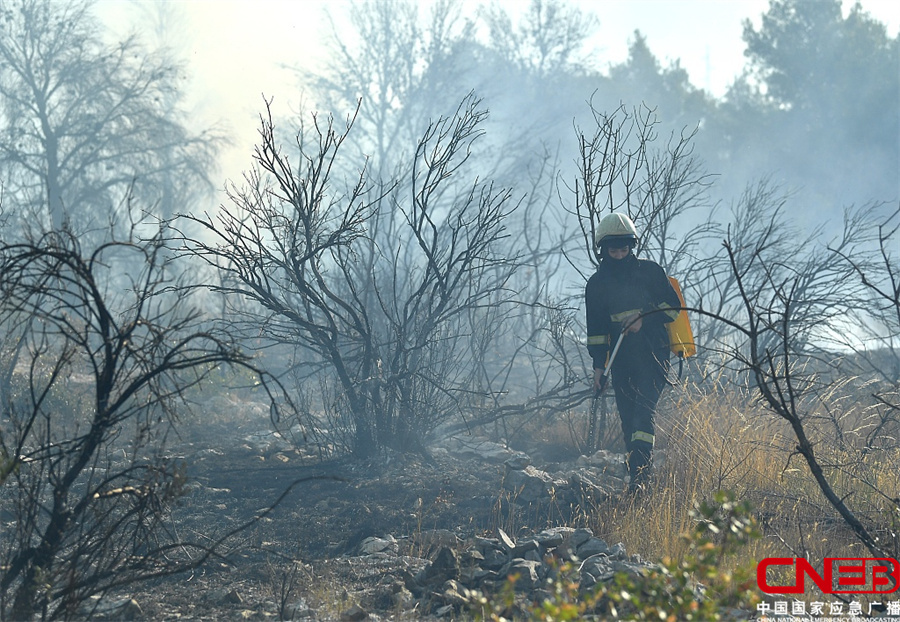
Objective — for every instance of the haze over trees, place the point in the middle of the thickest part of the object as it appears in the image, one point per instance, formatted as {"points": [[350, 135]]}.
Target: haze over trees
{"points": [[97, 346], [411, 258], [817, 106], [88, 126]]}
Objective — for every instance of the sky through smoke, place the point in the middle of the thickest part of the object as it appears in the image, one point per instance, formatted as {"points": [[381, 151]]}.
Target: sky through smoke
{"points": [[236, 51]]}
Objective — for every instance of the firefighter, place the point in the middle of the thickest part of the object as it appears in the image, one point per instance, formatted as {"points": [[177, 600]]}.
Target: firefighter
{"points": [[634, 297]]}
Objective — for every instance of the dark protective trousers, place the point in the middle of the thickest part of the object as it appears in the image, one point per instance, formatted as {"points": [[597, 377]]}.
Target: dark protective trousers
{"points": [[638, 378]]}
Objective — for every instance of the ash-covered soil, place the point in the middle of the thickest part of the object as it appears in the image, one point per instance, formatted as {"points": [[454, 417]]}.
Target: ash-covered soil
{"points": [[302, 560], [310, 557]]}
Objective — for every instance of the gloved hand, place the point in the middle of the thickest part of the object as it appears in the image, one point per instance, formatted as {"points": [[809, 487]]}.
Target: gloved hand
{"points": [[632, 323], [598, 373]]}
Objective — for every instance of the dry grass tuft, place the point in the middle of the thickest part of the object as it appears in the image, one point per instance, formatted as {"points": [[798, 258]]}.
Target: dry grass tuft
{"points": [[724, 440]]}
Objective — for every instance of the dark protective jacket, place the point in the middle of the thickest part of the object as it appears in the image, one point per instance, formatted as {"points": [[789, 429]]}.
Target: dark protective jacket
{"points": [[619, 289]]}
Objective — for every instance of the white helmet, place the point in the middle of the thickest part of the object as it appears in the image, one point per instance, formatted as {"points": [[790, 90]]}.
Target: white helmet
{"points": [[615, 228]]}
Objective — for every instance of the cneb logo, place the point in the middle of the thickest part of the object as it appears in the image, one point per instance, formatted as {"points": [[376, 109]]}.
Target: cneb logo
{"points": [[840, 575]]}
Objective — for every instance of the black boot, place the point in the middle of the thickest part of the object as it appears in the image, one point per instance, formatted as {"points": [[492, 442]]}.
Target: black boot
{"points": [[639, 465]]}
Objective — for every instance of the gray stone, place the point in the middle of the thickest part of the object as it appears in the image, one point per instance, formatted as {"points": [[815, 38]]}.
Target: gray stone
{"points": [[472, 577], [608, 457], [486, 544], [630, 568], [617, 550], [524, 546], [593, 547], [529, 485], [480, 448], [442, 586], [233, 598], [452, 595], [494, 559], [354, 614], [505, 541], [528, 573], [373, 545], [594, 569], [579, 537], [445, 566], [517, 461], [554, 536], [586, 488]]}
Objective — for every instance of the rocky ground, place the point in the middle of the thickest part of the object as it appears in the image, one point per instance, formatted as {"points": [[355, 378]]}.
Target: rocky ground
{"points": [[404, 539]]}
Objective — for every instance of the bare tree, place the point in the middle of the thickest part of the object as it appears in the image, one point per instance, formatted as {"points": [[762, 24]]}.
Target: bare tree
{"points": [[396, 340], [875, 316], [869, 330], [792, 298], [410, 65], [548, 40], [401, 67], [797, 392], [86, 123], [622, 169], [103, 367], [767, 246]]}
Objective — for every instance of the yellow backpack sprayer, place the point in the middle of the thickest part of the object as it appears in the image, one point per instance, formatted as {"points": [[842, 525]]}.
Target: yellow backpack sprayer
{"points": [[681, 337]]}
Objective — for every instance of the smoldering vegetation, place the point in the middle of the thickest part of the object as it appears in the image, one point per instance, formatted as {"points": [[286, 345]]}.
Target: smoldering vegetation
{"points": [[404, 267]]}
